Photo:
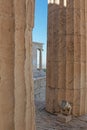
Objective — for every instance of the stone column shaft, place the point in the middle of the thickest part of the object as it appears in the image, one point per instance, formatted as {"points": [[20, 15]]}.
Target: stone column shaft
{"points": [[40, 62], [86, 48], [30, 115], [16, 83], [20, 87], [24, 101], [6, 65], [66, 58]]}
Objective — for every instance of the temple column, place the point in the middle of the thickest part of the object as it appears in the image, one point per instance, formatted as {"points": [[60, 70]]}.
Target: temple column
{"points": [[86, 48], [20, 87], [40, 62], [66, 65], [24, 100], [16, 82], [6, 65], [56, 55], [30, 115]]}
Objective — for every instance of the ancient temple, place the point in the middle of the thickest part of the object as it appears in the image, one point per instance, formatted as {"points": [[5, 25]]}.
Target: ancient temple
{"points": [[67, 55], [37, 59], [66, 60]]}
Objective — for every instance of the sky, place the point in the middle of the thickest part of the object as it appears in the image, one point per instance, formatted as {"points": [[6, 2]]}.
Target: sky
{"points": [[40, 25]]}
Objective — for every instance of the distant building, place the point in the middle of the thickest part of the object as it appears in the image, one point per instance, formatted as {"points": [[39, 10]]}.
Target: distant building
{"points": [[37, 60], [39, 76]]}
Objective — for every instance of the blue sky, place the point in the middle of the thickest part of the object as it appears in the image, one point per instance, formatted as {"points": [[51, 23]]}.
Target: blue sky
{"points": [[40, 25]]}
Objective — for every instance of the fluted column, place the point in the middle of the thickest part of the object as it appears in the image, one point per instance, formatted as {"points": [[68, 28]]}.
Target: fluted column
{"points": [[6, 65], [86, 48], [20, 87], [79, 58], [16, 83], [56, 55], [66, 78], [30, 115], [40, 62], [24, 100]]}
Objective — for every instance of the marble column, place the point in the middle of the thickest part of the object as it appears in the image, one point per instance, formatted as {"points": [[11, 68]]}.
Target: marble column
{"points": [[40, 62], [86, 47], [24, 100], [66, 57], [16, 82], [30, 115], [20, 87], [7, 65]]}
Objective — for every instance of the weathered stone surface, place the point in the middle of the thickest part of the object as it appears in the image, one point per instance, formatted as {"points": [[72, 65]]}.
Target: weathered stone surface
{"points": [[40, 88], [16, 79], [6, 65], [45, 120], [66, 56], [64, 119], [24, 100], [20, 88]]}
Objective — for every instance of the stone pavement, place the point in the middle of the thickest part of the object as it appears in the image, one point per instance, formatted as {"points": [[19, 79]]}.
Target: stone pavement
{"points": [[47, 121]]}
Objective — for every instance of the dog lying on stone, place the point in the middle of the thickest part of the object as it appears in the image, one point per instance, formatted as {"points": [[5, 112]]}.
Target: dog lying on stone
{"points": [[65, 108]]}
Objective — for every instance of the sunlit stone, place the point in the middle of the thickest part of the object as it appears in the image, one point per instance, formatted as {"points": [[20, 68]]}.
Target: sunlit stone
{"points": [[57, 2]]}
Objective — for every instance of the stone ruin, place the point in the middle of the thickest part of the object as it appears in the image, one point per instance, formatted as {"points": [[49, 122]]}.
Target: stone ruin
{"points": [[37, 50], [66, 60], [39, 76], [67, 55], [16, 83]]}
